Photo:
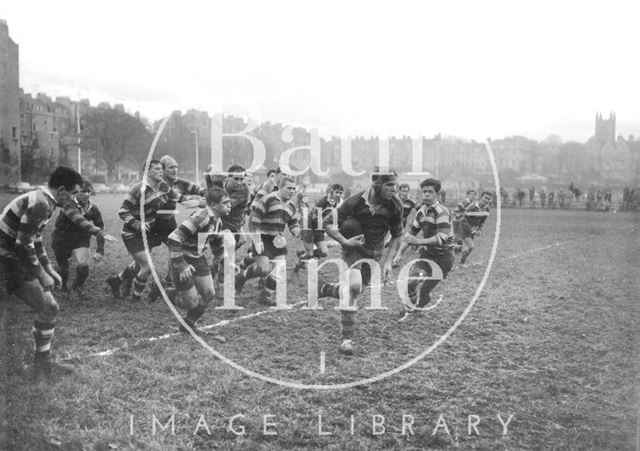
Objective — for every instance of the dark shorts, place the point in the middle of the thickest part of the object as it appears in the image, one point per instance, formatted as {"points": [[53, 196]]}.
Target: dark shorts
{"points": [[351, 256], [270, 251], [312, 236], [444, 261], [64, 244], [163, 228], [134, 243], [465, 232], [12, 276], [200, 264]]}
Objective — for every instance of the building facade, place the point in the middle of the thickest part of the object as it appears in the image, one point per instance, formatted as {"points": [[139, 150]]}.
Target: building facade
{"points": [[10, 157]]}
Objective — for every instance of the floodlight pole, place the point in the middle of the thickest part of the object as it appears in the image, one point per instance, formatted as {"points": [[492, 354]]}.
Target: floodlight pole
{"points": [[195, 133], [78, 131]]}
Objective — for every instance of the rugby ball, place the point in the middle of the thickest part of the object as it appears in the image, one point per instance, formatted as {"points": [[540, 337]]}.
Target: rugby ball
{"points": [[351, 227]]}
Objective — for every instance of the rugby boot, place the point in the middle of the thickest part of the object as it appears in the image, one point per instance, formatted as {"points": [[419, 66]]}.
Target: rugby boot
{"points": [[114, 283], [44, 365], [346, 347]]}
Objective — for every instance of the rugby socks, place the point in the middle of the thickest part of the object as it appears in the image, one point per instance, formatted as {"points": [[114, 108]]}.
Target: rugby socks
{"points": [[82, 272], [63, 269], [348, 323], [42, 334], [194, 315], [329, 289], [270, 285], [129, 272], [138, 285]]}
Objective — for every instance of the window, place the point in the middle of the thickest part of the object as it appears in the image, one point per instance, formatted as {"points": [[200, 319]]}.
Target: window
{"points": [[14, 132]]}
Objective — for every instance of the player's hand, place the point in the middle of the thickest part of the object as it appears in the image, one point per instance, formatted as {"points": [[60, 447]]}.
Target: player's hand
{"points": [[258, 245], [387, 272], [54, 274], [396, 261], [187, 273], [410, 239], [191, 203], [97, 257], [110, 239], [295, 232], [46, 280], [355, 241]]}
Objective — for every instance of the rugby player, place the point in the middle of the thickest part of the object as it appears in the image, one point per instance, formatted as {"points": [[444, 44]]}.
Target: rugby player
{"points": [[436, 245], [458, 215], [408, 204], [378, 211], [314, 234], [472, 222], [154, 193], [271, 213], [25, 269], [239, 192], [71, 237], [188, 265], [166, 222]]}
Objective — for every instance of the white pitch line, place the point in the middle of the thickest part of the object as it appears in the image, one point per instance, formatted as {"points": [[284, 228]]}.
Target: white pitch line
{"points": [[264, 312]]}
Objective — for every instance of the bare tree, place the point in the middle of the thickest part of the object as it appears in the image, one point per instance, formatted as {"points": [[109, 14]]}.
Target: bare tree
{"points": [[117, 136]]}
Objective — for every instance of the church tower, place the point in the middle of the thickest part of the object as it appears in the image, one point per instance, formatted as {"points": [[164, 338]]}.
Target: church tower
{"points": [[605, 129]]}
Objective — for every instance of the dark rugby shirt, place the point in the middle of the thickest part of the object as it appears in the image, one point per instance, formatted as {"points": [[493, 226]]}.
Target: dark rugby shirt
{"points": [[152, 199], [186, 239], [22, 223], [239, 201], [326, 206], [475, 216], [66, 228], [180, 186], [434, 221], [376, 220], [407, 205], [270, 215]]}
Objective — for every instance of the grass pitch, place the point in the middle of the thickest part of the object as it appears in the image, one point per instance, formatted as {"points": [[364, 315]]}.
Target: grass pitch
{"points": [[550, 347]]}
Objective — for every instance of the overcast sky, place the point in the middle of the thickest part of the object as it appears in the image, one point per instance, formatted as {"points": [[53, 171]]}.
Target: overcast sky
{"points": [[473, 69]]}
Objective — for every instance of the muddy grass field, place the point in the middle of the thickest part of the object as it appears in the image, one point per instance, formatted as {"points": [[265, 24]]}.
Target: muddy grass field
{"points": [[547, 357]]}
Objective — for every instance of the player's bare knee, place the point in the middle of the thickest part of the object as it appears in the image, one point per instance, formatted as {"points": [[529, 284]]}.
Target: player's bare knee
{"points": [[50, 307]]}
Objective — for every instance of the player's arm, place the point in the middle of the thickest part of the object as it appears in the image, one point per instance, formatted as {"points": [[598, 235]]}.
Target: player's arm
{"points": [[294, 225], [396, 230], [258, 211], [332, 228], [71, 210], [30, 248], [186, 230], [97, 220], [131, 204]]}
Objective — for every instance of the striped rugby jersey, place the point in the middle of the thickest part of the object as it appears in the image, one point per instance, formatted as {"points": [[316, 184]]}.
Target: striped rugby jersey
{"points": [[186, 239], [270, 215], [66, 227], [458, 213], [184, 187], [22, 223], [153, 200], [434, 220], [267, 187]]}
